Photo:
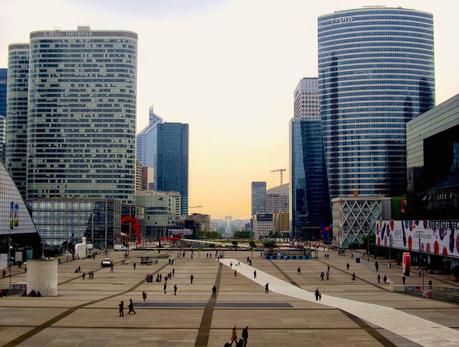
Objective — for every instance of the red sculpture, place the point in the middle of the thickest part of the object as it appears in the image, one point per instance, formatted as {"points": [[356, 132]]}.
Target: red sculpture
{"points": [[135, 227]]}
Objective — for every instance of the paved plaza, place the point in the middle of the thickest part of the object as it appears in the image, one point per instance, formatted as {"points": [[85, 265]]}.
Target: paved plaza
{"points": [[86, 311]]}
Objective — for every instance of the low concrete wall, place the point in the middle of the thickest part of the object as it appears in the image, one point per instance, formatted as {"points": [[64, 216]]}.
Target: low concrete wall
{"points": [[42, 276]]}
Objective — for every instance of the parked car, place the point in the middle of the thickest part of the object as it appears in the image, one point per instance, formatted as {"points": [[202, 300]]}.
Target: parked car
{"points": [[106, 262], [120, 248]]}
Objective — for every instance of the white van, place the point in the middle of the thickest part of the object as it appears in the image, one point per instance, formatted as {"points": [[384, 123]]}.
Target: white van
{"points": [[120, 248]]}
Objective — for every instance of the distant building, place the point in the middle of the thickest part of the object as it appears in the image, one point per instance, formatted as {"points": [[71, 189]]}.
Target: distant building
{"points": [[138, 176], [148, 175], [280, 222], [3, 89], [262, 225], [376, 72], [16, 119], [310, 201], [277, 199], [147, 140], [258, 197], [202, 220], [306, 99]]}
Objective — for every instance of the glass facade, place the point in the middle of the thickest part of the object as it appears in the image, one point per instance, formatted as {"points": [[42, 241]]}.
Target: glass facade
{"points": [[61, 220], [376, 72], [310, 201], [82, 114], [171, 161], [3, 88], [258, 198], [16, 120], [147, 141], [306, 98]]}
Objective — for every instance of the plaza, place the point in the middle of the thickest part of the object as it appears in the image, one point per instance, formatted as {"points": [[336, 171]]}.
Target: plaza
{"points": [[85, 313]]}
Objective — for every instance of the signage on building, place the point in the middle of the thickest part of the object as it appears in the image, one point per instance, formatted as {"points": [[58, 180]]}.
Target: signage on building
{"points": [[430, 236], [342, 20]]}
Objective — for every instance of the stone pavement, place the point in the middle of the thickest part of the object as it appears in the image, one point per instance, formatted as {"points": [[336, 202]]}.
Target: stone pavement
{"points": [[85, 313]]}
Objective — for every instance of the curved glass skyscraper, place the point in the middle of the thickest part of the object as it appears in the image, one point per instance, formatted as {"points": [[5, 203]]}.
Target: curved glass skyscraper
{"points": [[376, 72]]}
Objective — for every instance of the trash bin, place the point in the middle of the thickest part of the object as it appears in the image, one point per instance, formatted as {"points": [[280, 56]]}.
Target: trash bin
{"points": [[357, 260]]}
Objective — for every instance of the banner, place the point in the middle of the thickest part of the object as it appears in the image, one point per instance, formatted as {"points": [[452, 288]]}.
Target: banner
{"points": [[434, 237]]}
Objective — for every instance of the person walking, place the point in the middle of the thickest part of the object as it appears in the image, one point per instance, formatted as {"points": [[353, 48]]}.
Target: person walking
{"points": [[267, 288], [385, 279], [131, 307], [111, 268], [235, 273], [245, 335], [83, 275], [165, 287], [353, 276], [379, 279], [328, 274], [376, 266], [298, 271], [144, 296], [214, 291], [254, 273], [134, 265], [233, 336], [173, 272], [121, 308], [316, 294], [191, 279], [322, 275], [403, 279], [347, 266], [175, 289]]}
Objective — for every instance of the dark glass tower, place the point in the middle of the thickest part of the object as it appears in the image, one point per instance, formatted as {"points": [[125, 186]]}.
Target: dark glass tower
{"points": [[310, 201], [376, 72], [3, 87], [171, 161]]}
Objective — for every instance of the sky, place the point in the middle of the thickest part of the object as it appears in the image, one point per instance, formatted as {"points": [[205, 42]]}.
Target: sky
{"points": [[226, 67]]}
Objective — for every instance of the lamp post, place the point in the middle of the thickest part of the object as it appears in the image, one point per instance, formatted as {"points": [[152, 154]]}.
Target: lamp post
{"points": [[390, 249]]}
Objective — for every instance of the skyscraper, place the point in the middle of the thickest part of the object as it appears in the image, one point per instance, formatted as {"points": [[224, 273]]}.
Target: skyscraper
{"points": [[16, 119], [310, 200], [306, 98], [3, 88], [376, 72], [258, 198], [171, 161], [277, 199], [81, 114], [147, 140]]}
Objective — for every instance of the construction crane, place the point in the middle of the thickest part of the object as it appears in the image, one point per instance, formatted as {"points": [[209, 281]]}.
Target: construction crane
{"points": [[281, 174]]}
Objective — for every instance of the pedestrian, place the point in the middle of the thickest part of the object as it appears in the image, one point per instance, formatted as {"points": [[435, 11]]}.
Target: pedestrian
{"points": [[121, 308], [376, 266], [353, 276], [403, 279], [165, 287], [298, 271], [328, 268], [173, 272], [347, 266], [328, 274], [83, 275], [233, 336], [144, 296], [134, 265], [430, 284], [111, 268], [379, 279], [254, 273], [191, 279], [245, 335], [240, 343], [175, 289], [231, 264], [235, 273], [131, 307], [316, 294], [322, 275], [214, 291], [385, 279], [267, 288], [169, 261]]}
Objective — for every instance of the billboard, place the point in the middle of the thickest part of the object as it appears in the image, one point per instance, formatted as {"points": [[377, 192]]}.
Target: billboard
{"points": [[434, 237]]}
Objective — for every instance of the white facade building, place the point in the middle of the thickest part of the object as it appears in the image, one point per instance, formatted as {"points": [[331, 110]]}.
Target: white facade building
{"points": [[262, 225], [277, 199], [306, 99]]}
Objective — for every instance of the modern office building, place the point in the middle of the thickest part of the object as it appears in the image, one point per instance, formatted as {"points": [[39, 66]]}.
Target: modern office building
{"points": [[148, 176], [310, 200], [3, 89], [306, 98], [138, 176], [66, 221], [82, 115], [258, 198], [262, 225], [16, 119], [433, 163], [281, 222], [277, 199], [376, 72], [147, 140], [171, 161]]}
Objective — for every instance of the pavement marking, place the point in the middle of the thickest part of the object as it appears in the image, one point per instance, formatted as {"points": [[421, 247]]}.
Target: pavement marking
{"points": [[411, 327], [71, 310], [202, 339]]}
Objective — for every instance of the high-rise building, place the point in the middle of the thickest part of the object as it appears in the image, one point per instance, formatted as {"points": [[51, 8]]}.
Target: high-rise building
{"points": [[148, 176], [138, 176], [16, 119], [277, 199], [263, 225], [306, 98], [310, 200], [147, 140], [258, 198], [171, 161], [82, 114], [3, 88], [376, 72]]}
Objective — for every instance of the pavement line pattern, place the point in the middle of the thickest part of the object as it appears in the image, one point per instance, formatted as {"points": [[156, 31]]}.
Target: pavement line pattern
{"points": [[413, 328], [202, 338], [371, 331], [66, 313]]}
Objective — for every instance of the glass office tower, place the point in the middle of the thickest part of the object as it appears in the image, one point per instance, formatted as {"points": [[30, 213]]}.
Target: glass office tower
{"points": [[171, 161], [3, 88], [376, 72], [310, 200], [16, 119], [258, 198], [82, 114], [146, 140]]}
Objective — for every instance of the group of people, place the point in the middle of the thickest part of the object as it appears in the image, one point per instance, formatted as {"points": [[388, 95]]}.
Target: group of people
{"points": [[130, 307], [90, 275], [242, 342]]}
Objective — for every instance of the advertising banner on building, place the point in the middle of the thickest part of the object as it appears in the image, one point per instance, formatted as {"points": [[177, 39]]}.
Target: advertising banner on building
{"points": [[435, 237]]}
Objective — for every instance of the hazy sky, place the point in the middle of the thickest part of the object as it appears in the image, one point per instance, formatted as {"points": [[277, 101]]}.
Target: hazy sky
{"points": [[226, 67]]}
